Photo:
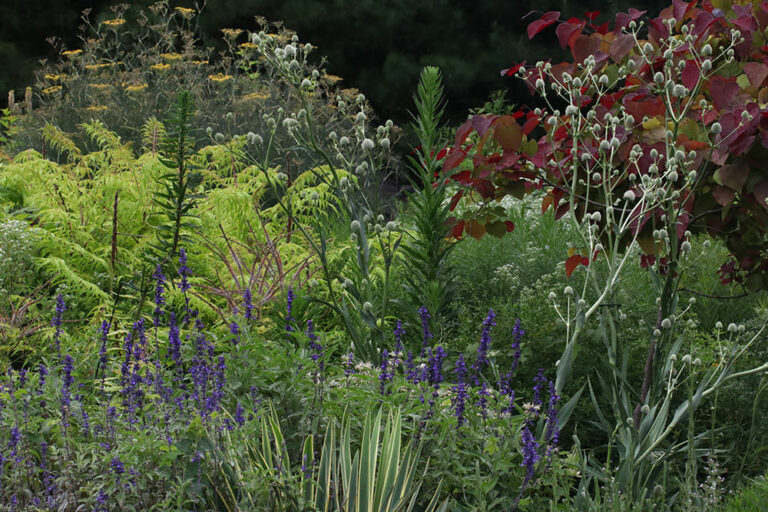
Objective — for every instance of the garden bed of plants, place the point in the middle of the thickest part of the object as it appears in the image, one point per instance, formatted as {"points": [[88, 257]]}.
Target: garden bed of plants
{"points": [[208, 301]]}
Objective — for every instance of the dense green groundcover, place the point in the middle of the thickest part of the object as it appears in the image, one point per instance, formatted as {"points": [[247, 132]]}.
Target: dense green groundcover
{"points": [[208, 303]]}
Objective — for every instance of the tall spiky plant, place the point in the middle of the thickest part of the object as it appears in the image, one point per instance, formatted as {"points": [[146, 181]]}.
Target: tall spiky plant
{"points": [[431, 278], [174, 197]]}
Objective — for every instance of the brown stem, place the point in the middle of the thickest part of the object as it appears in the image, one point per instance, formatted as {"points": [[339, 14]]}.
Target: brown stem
{"points": [[647, 372]]}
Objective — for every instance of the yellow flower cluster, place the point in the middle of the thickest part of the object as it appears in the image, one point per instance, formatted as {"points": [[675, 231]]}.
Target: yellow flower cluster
{"points": [[199, 62], [54, 78], [52, 89], [231, 33], [248, 46], [186, 12], [332, 79], [160, 67], [93, 67], [171, 56], [256, 96], [136, 87], [99, 86], [96, 108], [71, 53], [115, 22], [220, 77]]}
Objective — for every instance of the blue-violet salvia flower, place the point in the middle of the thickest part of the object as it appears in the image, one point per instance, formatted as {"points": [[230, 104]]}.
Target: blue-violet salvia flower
{"points": [[399, 333], [435, 365], [289, 309], [349, 364], [460, 391], [384, 375], [159, 288], [57, 320], [239, 418], [174, 343], [314, 345], [553, 430], [248, 304], [530, 453], [485, 344]]}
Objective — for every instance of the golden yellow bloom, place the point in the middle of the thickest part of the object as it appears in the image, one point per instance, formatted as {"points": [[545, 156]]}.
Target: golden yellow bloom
{"points": [[115, 23], [332, 79], [256, 96], [96, 108], [99, 86], [160, 67], [53, 78], [52, 89], [92, 67], [231, 33], [220, 77], [185, 11], [71, 53], [171, 56], [198, 62], [248, 46], [136, 87]]}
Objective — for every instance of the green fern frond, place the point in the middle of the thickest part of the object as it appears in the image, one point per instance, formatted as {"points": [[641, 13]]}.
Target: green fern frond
{"points": [[59, 141]]}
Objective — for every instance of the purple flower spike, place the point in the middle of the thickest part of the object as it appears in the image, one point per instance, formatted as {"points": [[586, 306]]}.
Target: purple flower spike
{"points": [[248, 304], [289, 309], [485, 343], [384, 376], [530, 454], [174, 343], [399, 333], [460, 391], [314, 345], [159, 288], [57, 320]]}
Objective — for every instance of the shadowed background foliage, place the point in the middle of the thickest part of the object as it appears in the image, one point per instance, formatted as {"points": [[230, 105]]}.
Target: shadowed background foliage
{"points": [[377, 47]]}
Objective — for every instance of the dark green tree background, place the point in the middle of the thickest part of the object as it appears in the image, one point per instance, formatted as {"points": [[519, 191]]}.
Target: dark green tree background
{"points": [[377, 46]]}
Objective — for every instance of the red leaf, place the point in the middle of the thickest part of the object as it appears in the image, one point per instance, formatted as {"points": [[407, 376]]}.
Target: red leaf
{"points": [[458, 229], [546, 20], [482, 123], [703, 21], [568, 32], [756, 72], [508, 133], [621, 46], [723, 195], [691, 145], [680, 9], [514, 69], [734, 175], [561, 210], [591, 15], [584, 46], [530, 124], [571, 264], [623, 18], [722, 90], [462, 133], [455, 157], [691, 74], [455, 199], [761, 193]]}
